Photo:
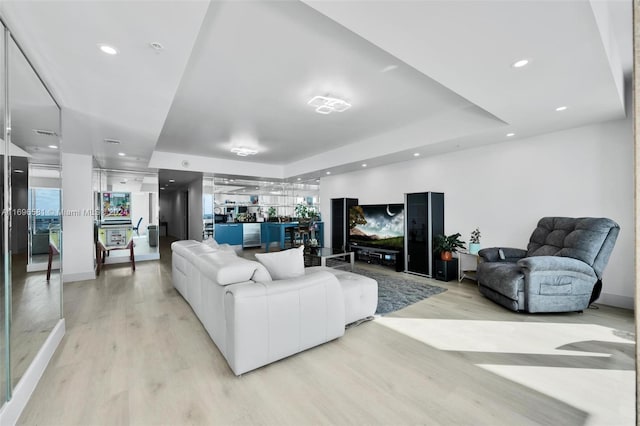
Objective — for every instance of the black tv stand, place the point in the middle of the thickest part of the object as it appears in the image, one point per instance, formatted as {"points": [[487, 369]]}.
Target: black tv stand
{"points": [[379, 256]]}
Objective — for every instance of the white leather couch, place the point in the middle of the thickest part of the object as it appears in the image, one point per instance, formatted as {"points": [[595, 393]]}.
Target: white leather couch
{"points": [[255, 321]]}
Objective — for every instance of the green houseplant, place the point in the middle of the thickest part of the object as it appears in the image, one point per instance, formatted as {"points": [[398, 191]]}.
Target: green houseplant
{"points": [[447, 245], [474, 241]]}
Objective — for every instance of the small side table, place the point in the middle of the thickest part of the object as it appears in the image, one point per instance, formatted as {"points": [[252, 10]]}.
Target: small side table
{"points": [[467, 265]]}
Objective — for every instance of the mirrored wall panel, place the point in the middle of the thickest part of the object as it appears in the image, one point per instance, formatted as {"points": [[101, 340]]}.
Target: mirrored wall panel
{"points": [[36, 216], [126, 206]]}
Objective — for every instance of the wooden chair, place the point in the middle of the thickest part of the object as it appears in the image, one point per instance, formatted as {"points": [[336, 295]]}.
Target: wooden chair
{"points": [[303, 231]]}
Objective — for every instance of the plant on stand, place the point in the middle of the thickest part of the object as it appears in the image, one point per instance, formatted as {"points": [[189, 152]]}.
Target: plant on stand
{"points": [[271, 212], [447, 245], [474, 242], [301, 211]]}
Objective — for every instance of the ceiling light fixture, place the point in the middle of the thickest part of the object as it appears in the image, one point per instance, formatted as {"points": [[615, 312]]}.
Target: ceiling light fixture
{"points": [[328, 104], [156, 45], [44, 132], [521, 63], [161, 189], [121, 154], [364, 164], [172, 180], [299, 178], [328, 173], [561, 108], [416, 154], [510, 134], [243, 152], [109, 50], [112, 141], [53, 146], [18, 171]]}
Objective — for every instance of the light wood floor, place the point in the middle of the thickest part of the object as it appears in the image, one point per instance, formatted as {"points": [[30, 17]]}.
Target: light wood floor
{"points": [[135, 354]]}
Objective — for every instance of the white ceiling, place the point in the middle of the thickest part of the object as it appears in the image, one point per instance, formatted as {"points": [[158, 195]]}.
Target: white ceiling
{"points": [[240, 73]]}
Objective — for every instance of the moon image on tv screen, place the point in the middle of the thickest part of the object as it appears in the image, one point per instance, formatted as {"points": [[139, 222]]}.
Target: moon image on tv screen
{"points": [[380, 225]]}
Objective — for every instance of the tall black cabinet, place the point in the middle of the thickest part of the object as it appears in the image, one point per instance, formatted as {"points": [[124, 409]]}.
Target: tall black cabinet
{"points": [[340, 221], [424, 219]]}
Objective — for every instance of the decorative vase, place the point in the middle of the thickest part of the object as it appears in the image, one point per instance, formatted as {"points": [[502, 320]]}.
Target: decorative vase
{"points": [[474, 248], [446, 255]]}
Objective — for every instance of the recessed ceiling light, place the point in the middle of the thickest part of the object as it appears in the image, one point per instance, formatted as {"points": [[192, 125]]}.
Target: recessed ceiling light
{"points": [[328, 104], [521, 63], [510, 134], [121, 154], [156, 45], [161, 189], [364, 164], [18, 171], [243, 152], [317, 180], [561, 108], [109, 50], [112, 141], [416, 154], [299, 178], [172, 180], [328, 173], [53, 146]]}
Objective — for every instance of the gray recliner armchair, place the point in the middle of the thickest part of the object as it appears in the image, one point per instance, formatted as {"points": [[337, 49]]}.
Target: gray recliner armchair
{"points": [[561, 270]]}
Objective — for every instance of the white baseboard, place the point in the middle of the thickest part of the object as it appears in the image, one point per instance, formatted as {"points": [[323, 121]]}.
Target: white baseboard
{"points": [[11, 411], [81, 276], [37, 267], [625, 302]]}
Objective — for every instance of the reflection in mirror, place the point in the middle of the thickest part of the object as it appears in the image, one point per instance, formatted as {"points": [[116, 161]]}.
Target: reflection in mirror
{"points": [[35, 291], [134, 195], [208, 214], [4, 259], [268, 200]]}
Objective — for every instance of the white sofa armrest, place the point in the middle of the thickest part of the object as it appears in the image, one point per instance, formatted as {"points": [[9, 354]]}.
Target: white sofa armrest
{"points": [[267, 321]]}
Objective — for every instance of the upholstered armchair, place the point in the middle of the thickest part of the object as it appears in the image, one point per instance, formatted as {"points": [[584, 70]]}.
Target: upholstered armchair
{"points": [[561, 270]]}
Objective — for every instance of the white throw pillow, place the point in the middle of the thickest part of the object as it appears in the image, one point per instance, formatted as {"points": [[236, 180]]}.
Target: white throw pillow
{"points": [[283, 264], [211, 242]]}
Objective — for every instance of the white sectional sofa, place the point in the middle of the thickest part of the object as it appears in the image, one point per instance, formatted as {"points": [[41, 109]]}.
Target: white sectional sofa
{"points": [[255, 320]]}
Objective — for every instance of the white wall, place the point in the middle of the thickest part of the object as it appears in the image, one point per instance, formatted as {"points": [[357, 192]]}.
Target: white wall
{"points": [[140, 209], [77, 194], [505, 188], [195, 210]]}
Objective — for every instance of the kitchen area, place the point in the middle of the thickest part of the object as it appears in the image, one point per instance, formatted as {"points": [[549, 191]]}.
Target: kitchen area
{"points": [[252, 213]]}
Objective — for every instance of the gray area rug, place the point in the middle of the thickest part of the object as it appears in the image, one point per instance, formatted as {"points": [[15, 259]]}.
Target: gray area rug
{"points": [[396, 292]]}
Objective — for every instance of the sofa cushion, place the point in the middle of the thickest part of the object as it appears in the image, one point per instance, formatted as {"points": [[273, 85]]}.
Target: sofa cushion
{"points": [[283, 264], [580, 238], [211, 242], [503, 277], [225, 267], [261, 274]]}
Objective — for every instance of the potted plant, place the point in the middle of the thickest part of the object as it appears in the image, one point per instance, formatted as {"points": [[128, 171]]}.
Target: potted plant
{"points": [[447, 245], [474, 242], [301, 211], [271, 212]]}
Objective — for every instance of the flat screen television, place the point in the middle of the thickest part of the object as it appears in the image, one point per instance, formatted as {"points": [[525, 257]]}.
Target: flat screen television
{"points": [[377, 226]]}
